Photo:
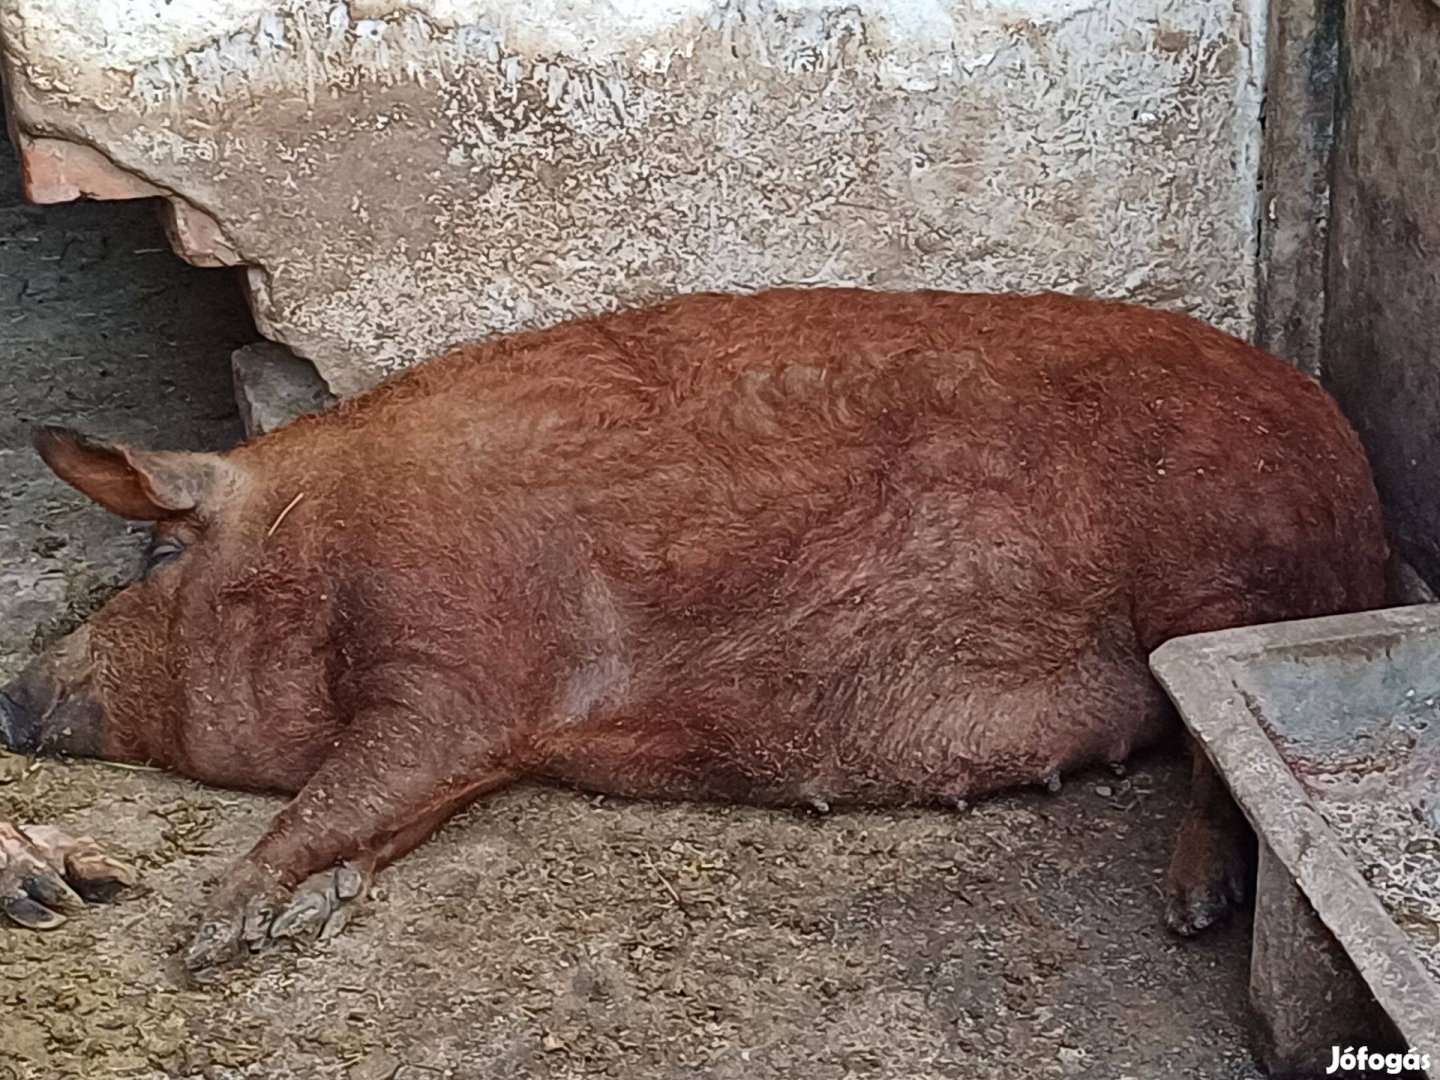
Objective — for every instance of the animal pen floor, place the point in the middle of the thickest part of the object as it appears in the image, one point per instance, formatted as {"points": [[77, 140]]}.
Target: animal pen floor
{"points": [[544, 933]]}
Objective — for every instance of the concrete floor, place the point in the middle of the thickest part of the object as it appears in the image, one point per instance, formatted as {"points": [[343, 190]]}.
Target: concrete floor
{"points": [[544, 934]]}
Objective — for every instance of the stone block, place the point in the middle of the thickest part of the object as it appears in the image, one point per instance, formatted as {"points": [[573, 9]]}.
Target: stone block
{"points": [[273, 386], [1307, 994]]}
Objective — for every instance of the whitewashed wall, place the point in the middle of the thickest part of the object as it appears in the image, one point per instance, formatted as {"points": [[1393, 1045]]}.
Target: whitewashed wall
{"points": [[400, 176]]}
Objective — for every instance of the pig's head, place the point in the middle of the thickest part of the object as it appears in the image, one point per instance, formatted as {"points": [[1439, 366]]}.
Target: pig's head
{"points": [[105, 690]]}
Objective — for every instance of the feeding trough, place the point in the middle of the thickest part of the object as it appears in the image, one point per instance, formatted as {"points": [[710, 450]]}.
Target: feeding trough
{"points": [[1327, 732]]}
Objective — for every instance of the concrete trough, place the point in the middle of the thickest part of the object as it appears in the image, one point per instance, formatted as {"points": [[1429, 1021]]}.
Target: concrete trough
{"points": [[1327, 732]]}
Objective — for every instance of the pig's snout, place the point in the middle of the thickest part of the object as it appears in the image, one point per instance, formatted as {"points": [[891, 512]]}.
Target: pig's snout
{"points": [[19, 730], [49, 708]]}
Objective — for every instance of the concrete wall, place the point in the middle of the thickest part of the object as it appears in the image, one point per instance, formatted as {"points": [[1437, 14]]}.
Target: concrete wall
{"points": [[1382, 333], [399, 176]]}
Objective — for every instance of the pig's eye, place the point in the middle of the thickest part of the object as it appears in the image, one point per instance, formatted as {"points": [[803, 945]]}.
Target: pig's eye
{"points": [[161, 551]]}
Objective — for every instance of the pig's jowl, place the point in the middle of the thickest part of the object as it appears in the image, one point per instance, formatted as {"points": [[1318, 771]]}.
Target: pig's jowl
{"points": [[826, 546]]}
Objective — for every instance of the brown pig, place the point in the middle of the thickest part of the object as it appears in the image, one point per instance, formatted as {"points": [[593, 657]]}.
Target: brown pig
{"points": [[802, 547]]}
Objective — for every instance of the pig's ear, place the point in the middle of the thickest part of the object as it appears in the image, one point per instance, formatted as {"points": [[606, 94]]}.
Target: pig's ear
{"points": [[137, 484]]}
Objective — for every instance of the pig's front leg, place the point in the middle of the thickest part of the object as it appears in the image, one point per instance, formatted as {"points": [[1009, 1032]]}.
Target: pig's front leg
{"points": [[391, 781], [46, 873]]}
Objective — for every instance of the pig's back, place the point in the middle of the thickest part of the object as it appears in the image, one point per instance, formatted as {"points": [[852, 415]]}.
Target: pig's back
{"points": [[712, 438]]}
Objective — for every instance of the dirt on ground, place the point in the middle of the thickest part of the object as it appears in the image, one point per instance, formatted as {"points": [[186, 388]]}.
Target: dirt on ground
{"points": [[544, 933]]}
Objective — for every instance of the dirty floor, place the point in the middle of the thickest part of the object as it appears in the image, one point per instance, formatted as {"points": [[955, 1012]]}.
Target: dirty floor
{"points": [[545, 934]]}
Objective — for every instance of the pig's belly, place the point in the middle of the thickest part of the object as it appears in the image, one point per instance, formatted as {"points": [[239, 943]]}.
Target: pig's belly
{"points": [[879, 735]]}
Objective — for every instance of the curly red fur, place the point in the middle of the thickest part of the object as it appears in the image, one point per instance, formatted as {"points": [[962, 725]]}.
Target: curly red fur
{"points": [[803, 545]]}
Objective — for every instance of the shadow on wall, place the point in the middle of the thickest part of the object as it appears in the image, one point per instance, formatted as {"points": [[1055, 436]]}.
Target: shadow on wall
{"points": [[1382, 347], [102, 326]]}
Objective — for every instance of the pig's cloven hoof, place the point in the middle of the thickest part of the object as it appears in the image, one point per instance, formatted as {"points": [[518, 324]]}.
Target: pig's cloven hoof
{"points": [[319, 908], [47, 874], [1200, 897]]}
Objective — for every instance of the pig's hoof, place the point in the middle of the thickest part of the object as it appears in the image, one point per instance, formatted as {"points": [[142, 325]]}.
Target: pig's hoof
{"points": [[235, 929], [321, 906], [1209, 872], [1197, 901], [218, 942], [46, 874], [93, 873], [237, 924]]}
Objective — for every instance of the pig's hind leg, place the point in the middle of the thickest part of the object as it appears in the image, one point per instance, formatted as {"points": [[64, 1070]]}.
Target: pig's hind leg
{"points": [[1214, 856], [1212, 864], [384, 790]]}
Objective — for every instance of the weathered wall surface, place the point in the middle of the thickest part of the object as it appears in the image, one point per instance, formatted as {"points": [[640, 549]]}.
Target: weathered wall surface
{"points": [[1383, 321], [400, 176], [1301, 96]]}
